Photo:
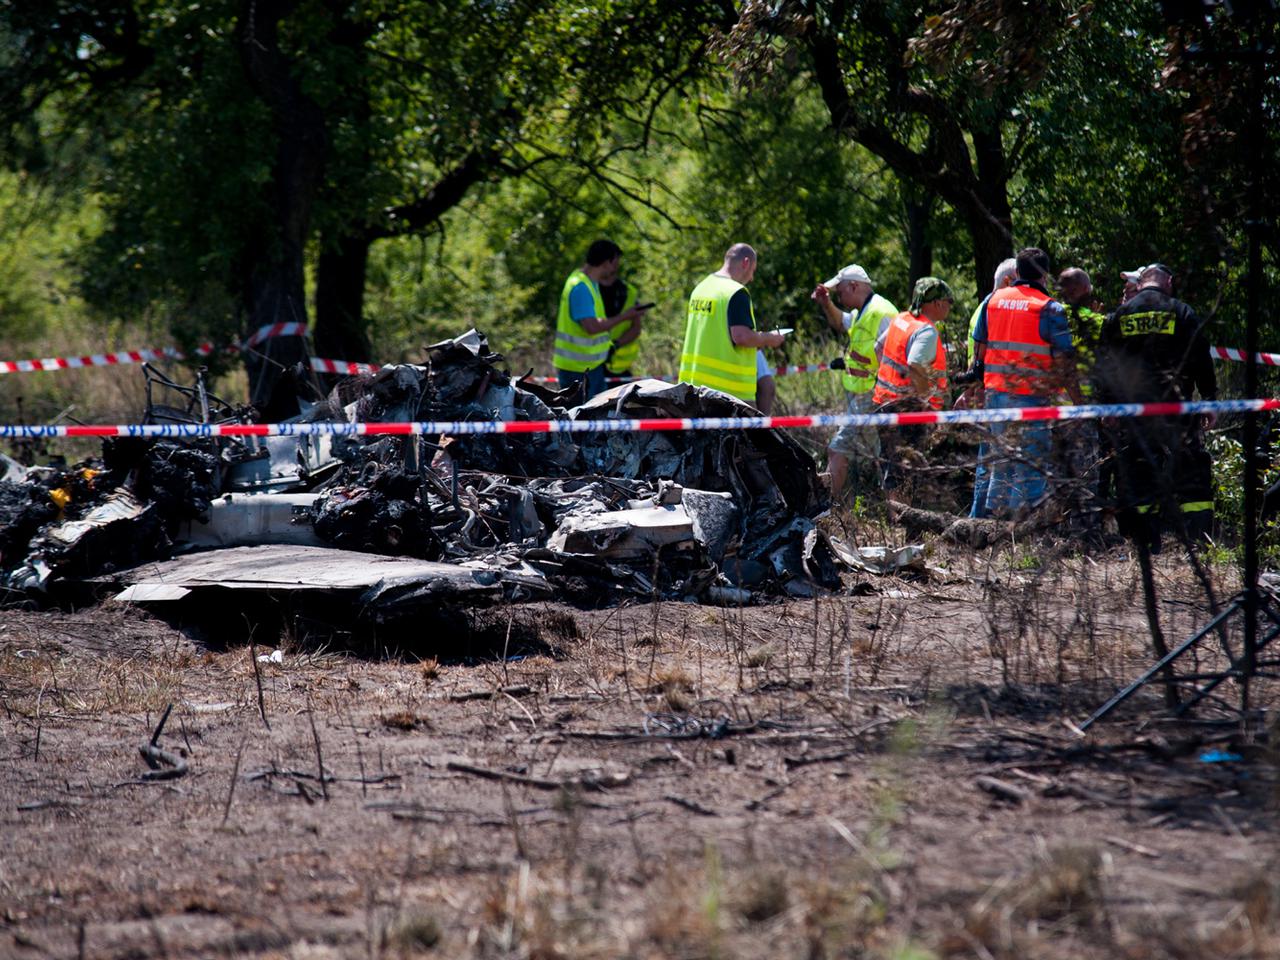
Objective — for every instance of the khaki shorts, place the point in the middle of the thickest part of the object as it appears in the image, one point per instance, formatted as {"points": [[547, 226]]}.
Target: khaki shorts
{"points": [[857, 442]]}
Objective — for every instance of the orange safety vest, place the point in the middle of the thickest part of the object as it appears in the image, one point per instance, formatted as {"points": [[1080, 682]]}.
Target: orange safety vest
{"points": [[1018, 359], [893, 379]]}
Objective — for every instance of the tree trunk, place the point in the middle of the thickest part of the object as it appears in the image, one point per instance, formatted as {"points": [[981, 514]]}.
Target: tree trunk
{"points": [[276, 364], [276, 290], [919, 245], [991, 245], [340, 282], [990, 220]]}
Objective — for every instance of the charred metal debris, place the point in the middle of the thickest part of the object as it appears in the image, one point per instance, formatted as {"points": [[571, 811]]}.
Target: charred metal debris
{"points": [[411, 521]]}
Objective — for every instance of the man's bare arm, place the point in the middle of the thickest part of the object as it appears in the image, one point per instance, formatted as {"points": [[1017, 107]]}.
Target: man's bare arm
{"points": [[746, 337], [601, 324], [835, 316]]}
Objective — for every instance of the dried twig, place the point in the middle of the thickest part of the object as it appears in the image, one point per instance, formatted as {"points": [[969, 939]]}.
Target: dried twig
{"points": [[257, 677], [514, 821], [39, 723], [315, 737], [231, 787], [164, 764], [515, 691], [45, 804], [760, 802], [1001, 790], [690, 805], [503, 776], [155, 736], [1138, 848]]}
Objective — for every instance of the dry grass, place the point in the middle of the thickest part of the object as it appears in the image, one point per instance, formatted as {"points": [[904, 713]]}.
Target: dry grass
{"points": [[713, 848], [1018, 916], [403, 720], [431, 670]]}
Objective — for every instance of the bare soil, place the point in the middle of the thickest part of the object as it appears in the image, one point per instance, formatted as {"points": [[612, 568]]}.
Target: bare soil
{"points": [[889, 773]]}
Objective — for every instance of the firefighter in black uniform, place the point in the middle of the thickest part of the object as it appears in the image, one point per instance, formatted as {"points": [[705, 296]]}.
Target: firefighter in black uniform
{"points": [[1153, 349]]}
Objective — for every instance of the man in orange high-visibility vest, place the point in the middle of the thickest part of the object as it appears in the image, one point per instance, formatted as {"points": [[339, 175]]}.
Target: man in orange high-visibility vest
{"points": [[913, 362], [1023, 341], [913, 368]]}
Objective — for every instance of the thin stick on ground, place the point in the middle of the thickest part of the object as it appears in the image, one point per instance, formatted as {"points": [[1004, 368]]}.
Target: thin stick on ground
{"points": [[355, 736], [257, 677], [315, 736], [164, 718], [39, 723], [164, 764], [1171, 697], [516, 833], [231, 787]]}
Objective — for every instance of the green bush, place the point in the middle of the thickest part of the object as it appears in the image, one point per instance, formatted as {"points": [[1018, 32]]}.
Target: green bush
{"points": [[1228, 501]]}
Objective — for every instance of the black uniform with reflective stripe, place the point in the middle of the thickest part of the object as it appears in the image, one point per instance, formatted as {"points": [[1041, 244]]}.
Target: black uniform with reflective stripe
{"points": [[1153, 349]]}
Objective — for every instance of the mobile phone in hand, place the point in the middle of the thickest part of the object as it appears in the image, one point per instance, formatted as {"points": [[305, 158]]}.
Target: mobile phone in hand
{"points": [[645, 306]]}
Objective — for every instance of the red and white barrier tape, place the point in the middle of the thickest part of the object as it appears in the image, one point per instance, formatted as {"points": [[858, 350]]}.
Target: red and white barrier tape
{"points": [[95, 360], [276, 330], [351, 368], [346, 367], [318, 364], [1231, 353], [460, 427], [148, 354]]}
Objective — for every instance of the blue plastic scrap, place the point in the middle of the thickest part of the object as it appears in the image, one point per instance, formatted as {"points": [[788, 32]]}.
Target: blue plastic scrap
{"points": [[1219, 756]]}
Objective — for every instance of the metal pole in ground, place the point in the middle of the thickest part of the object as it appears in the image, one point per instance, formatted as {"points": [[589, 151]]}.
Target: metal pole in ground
{"points": [[1253, 225]]}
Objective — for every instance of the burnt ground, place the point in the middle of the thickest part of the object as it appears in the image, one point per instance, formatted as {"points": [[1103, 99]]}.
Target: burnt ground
{"points": [[891, 773]]}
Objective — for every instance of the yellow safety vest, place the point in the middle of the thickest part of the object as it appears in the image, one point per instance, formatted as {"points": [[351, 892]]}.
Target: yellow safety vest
{"points": [[623, 357], [1086, 325], [973, 325], [862, 339], [575, 349], [710, 357]]}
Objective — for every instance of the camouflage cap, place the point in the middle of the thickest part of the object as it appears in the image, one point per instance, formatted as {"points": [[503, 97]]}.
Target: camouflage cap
{"points": [[928, 289]]}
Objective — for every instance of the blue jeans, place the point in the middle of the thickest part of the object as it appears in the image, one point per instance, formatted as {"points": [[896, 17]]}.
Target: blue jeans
{"points": [[981, 482], [1016, 480], [594, 379]]}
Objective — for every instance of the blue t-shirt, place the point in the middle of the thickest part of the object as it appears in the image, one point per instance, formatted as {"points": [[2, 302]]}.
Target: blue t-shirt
{"points": [[582, 306], [1055, 330]]}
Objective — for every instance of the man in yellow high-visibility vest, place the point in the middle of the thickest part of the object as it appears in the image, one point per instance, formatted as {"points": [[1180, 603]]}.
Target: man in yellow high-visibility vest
{"points": [[864, 311], [720, 336], [582, 326]]}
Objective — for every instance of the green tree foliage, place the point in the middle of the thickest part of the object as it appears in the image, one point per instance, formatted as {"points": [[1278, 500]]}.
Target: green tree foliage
{"points": [[244, 132], [402, 169], [724, 166], [1044, 123]]}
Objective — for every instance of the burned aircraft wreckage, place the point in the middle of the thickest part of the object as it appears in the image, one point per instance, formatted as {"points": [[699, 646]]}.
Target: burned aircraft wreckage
{"points": [[387, 527]]}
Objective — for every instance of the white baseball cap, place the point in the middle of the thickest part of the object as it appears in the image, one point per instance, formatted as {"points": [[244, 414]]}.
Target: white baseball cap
{"points": [[853, 273], [1132, 275]]}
